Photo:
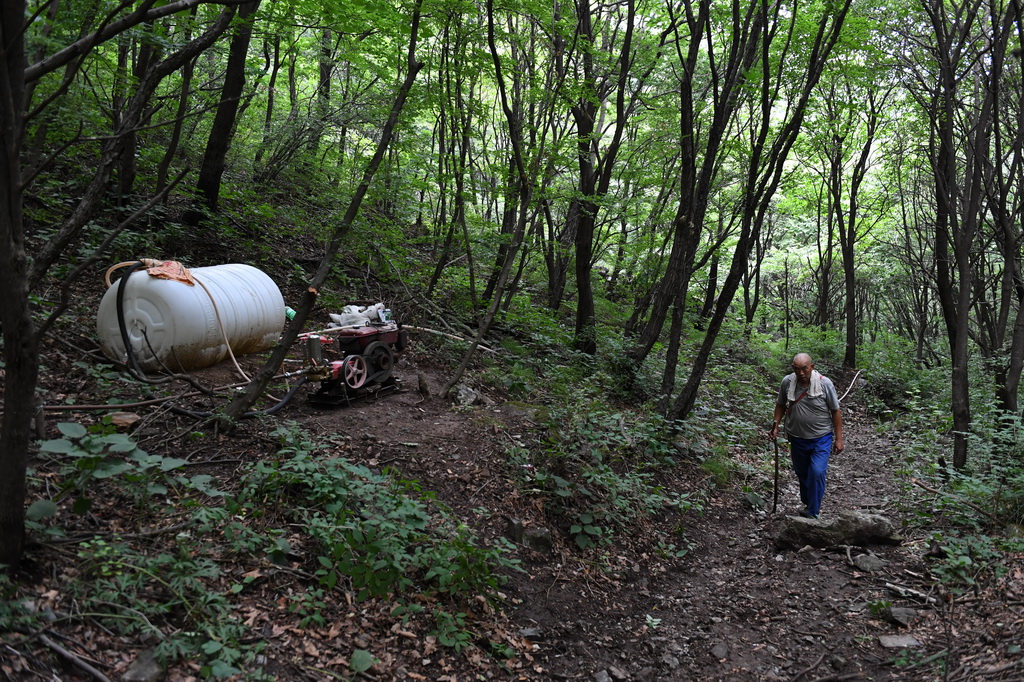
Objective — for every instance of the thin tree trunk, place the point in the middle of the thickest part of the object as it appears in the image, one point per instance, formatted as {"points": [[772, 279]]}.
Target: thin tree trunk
{"points": [[524, 192], [179, 120], [223, 127], [268, 117], [244, 401], [766, 166], [21, 349]]}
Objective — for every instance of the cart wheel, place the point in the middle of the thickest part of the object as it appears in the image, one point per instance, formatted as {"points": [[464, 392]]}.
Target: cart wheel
{"points": [[378, 356], [355, 371]]}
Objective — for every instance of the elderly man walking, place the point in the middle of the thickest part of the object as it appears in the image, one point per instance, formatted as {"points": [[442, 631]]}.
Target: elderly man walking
{"points": [[810, 405]]}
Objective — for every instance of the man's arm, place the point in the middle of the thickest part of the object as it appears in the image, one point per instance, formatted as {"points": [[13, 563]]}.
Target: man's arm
{"points": [[837, 429]]}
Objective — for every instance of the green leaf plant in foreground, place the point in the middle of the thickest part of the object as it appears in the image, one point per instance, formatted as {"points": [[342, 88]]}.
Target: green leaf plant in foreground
{"points": [[90, 456]]}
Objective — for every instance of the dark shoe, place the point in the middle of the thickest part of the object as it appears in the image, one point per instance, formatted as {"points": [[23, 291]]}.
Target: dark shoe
{"points": [[807, 515]]}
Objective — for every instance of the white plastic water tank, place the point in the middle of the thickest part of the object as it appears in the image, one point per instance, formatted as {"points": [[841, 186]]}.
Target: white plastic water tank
{"points": [[175, 324]]}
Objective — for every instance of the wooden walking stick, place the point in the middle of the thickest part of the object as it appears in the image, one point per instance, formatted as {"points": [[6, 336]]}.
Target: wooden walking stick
{"points": [[775, 488]]}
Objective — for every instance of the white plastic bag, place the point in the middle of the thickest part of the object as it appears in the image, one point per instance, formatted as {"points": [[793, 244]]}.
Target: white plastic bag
{"points": [[350, 319]]}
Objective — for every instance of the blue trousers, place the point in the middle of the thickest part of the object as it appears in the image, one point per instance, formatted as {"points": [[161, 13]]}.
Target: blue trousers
{"points": [[810, 462]]}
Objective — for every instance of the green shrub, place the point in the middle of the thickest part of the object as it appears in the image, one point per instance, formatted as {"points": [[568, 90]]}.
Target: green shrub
{"points": [[967, 561], [169, 596], [90, 455], [597, 470], [378, 534]]}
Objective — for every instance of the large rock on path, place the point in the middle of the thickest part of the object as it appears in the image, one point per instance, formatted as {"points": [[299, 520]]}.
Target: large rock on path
{"points": [[848, 528]]}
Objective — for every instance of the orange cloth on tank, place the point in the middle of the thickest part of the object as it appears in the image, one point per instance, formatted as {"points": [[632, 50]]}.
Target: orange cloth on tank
{"points": [[171, 269]]}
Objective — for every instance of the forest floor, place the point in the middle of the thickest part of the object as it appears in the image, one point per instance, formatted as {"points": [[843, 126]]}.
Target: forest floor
{"points": [[734, 607]]}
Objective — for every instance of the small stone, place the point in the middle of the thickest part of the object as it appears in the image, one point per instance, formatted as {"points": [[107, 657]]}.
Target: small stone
{"points": [[646, 675], [515, 530], [670, 660], [465, 395], [898, 641], [531, 633], [602, 676], [720, 651], [617, 674], [869, 563], [900, 615], [539, 540], [124, 420], [144, 669]]}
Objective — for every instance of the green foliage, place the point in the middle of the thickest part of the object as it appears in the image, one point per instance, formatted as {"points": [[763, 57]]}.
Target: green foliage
{"points": [[879, 607], [671, 550], [361, 661], [166, 596], [993, 478], [104, 377], [734, 403], [538, 361], [912, 658], [720, 467], [451, 630], [98, 453], [894, 382], [378, 534], [967, 562], [518, 378], [598, 471], [14, 616], [825, 346], [310, 605], [361, 530]]}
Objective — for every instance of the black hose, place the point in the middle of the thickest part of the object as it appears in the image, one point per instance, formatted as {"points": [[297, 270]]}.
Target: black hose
{"points": [[280, 403], [248, 415], [132, 362]]}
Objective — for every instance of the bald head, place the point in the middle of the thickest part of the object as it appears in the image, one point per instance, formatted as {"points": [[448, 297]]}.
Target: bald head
{"points": [[802, 367]]}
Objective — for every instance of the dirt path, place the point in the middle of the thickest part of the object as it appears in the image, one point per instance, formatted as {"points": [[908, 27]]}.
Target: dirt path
{"points": [[737, 608]]}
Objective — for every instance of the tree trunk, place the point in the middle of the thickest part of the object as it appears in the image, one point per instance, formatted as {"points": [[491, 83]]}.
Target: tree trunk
{"points": [[694, 185], [557, 254], [113, 147], [522, 191], [21, 351], [223, 127], [17, 277], [586, 324], [323, 90], [179, 119], [712, 287], [274, 59], [962, 109]]}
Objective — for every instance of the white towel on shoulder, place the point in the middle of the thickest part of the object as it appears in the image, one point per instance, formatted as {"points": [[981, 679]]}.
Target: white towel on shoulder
{"points": [[814, 390]]}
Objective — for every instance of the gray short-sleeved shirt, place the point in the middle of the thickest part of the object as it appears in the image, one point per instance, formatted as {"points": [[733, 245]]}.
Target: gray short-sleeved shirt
{"points": [[809, 417]]}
